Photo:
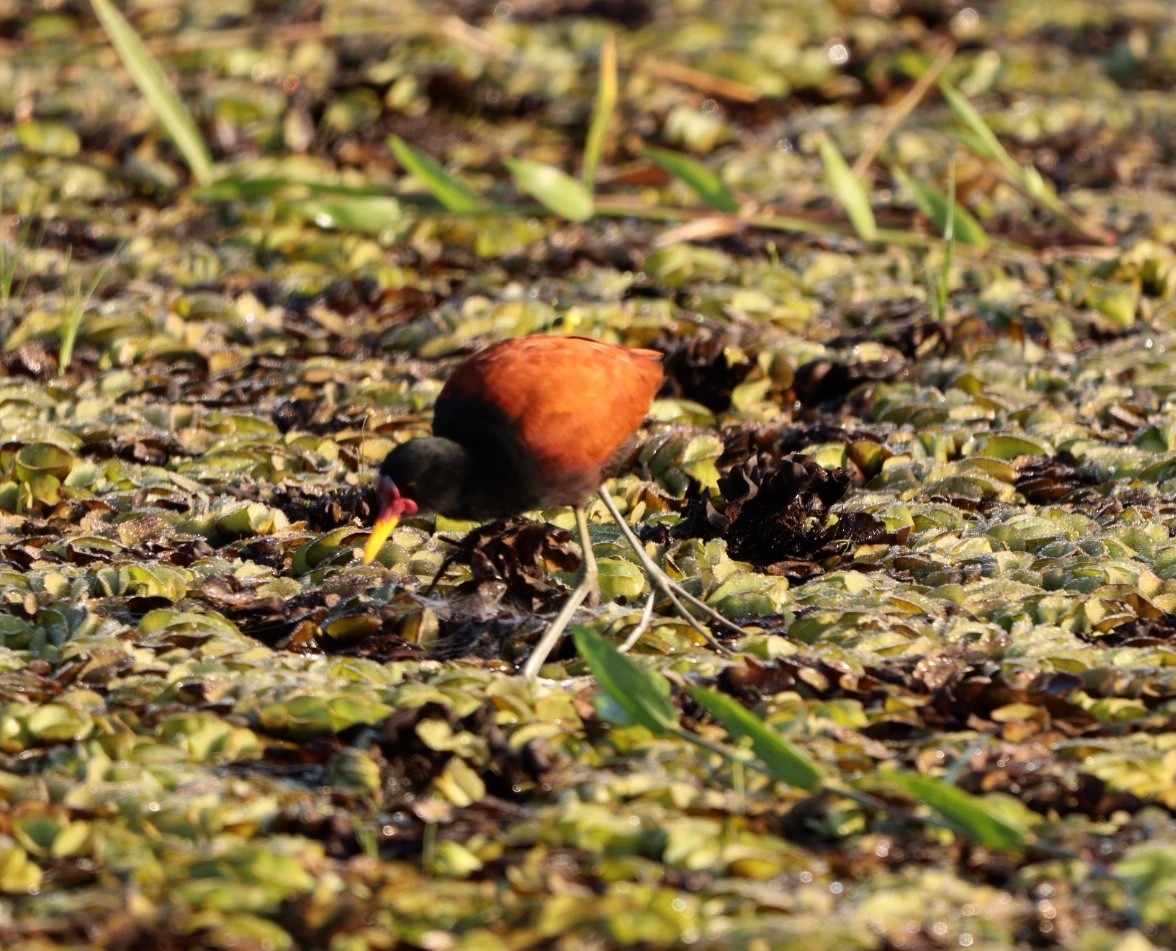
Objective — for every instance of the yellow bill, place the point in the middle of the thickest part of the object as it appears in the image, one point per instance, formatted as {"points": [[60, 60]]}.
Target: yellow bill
{"points": [[385, 524], [392, 505]]}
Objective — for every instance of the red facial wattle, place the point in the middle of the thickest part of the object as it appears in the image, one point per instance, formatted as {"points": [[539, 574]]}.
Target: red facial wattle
{"points": [[392, 508]]}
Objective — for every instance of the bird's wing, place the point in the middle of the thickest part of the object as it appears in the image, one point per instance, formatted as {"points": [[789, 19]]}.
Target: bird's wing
{"points": [[573, 401]]}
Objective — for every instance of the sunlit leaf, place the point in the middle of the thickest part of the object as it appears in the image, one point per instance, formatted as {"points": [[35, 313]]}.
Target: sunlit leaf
{"points": [[18, 873], [1149, 869], [460, 784], [370, 215], [552, 188]]}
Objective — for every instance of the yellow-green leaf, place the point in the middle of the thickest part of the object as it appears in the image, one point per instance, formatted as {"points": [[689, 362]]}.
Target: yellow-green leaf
{"points": [[552, 188], [936, 206]]}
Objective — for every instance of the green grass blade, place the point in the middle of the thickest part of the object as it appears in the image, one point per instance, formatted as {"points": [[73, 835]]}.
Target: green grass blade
{"points": [[1042, 190], [705, 183], [949, 240], [555, 190], [970, 815], [643, 695], [602, 111], [148, 75], [25, 241], [968, 140], [454, 195], [848, 190], [75, 313], [981, 139], [940, 209], [363, 214], [782, 760], [240, 187], [71, 325]]}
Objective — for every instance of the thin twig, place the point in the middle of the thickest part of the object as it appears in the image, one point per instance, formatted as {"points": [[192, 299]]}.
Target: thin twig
{"points": [[697, 79], [898, 115]]}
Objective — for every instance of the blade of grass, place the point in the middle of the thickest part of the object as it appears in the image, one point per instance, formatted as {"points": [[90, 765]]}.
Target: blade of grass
{"points": [[555, 190], [643, 695], [783, 760], [233, 187], [938, 287], [982, 141], [704, 182], [948, 242], [363, 214], [24, 240], [71, 323], [939, 208], [148, 75], [454, 195], [602, 111], [848, 190], [969, 815], [898, 114]]}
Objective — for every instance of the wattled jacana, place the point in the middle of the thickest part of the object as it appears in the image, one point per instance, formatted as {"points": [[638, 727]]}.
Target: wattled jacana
{"points": [[529, 423]]}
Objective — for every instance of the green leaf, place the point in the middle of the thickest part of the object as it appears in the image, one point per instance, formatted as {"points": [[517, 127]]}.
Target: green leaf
{"points": [[939, 208], [602, 110], [553, 189], [149, 77], [705, 183], [849, 191], [454, 195], [242, 187], [783, 760], [969, 815], [643, 695]]}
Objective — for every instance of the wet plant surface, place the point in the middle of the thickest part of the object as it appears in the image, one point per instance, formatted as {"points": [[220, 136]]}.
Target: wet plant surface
{"points": [[937, 488]]}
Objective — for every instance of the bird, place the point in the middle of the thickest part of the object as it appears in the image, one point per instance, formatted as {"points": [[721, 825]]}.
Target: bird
{"points": [[531, 422]]}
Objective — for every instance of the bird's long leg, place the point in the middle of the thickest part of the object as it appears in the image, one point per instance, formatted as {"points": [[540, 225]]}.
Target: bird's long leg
{"points": [[669, 588], [643, 624], [586, 583]]}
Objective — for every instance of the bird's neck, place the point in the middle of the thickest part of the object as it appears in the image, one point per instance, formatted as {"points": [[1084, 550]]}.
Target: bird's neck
{"points": [[480, 482]]}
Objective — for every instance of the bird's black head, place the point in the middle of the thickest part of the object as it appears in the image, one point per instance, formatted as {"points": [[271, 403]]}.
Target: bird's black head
{"points": [[430, 472], [421, 474]]}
